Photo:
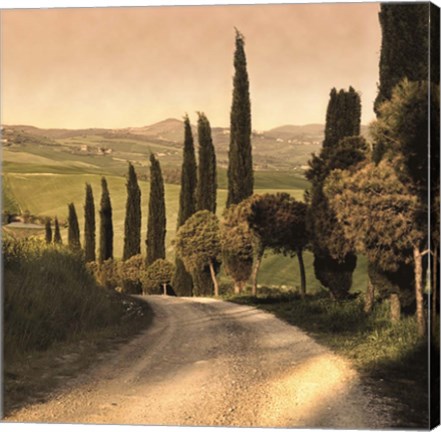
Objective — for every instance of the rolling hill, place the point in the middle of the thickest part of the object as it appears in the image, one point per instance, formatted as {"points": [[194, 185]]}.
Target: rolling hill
{"points": [[44, 169]]}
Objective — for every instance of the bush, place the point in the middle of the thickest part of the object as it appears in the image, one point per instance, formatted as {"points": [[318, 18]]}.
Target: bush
{"points": [[336, 276], [106, 273], [131, 273], [160, 273]]}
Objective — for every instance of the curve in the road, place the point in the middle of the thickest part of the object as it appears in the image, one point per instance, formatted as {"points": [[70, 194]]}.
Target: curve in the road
{"points": [[209, 362]]}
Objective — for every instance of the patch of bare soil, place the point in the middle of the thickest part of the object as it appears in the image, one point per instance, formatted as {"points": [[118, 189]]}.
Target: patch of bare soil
{"points": [[207, 362]]}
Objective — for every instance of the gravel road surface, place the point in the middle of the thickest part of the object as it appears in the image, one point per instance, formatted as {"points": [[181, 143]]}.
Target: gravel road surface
{"points": [[208, 362]]}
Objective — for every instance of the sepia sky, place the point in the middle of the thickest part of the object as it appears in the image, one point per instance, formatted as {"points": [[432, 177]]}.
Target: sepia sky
{"points": [[118, 67]]}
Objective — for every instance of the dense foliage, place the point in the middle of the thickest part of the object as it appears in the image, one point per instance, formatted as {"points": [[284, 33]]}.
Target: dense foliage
{"points": [[89, 225], [280, 223], [48, 231], [198, 244], [132, 222], [106, 224], [404, 46], [240, 162], [157, 277], [73, 232], [182, 280], [334, 258], [156, 224], [236, 241], [57, 234], [207, 182]]}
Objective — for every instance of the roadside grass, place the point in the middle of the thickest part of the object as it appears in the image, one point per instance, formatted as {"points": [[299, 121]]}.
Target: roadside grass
{"points": [[8, 200], [50, 296], [56, 319], [391, 358]]}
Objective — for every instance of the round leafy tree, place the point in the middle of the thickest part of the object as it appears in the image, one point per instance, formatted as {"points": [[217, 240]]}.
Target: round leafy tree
{"points": [[157, 277], [198, 244], [237, 248]]}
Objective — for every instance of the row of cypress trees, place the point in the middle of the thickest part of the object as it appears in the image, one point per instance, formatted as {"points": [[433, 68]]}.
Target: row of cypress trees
{"points": [[156, 228], [106, 225], [54, 237], [199, 183], [198, 192], [198, 186]]}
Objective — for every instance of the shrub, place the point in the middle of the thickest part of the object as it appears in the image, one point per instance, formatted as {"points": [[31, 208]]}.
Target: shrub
{"points": [[335, 275], [158, 275], [106, 273], [131, 273]]}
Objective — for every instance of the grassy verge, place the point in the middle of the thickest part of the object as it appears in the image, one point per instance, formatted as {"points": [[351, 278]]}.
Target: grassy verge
{"points": [[392, 359], [57, 321]]}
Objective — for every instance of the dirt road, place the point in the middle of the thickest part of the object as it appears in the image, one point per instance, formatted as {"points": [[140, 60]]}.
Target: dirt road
{"points": [[208, 362]]}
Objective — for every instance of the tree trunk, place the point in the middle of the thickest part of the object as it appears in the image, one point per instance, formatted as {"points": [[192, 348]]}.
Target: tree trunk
{"points": [[418, 263], [302, 274], [434, 288], [213, 278], [395, 307], [239, 286], [256, 271], [369, 297], [164, 287]]}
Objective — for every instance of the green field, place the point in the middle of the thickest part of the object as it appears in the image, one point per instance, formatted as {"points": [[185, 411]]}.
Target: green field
{"points": [[49, 193], [42, 175]]}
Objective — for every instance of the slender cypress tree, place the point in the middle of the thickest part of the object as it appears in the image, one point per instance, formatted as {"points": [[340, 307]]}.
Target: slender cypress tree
{"points": [[343, 116], [57, 234], [182, 281], [240, 163], [89, 225], [187, 202], [334, 262], [48, 231], [132, 223], [205, 195], [207, 182], [156, 224], [73, 233], [404, 46], [106, 224]]}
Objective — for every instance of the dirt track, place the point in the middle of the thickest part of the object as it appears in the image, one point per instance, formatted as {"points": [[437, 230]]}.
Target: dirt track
{"points": [[208, 362]]}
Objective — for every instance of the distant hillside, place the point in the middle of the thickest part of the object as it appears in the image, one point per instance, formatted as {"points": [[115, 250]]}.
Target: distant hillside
{"points": [[169, 130], [284, 148], [310, 130]]}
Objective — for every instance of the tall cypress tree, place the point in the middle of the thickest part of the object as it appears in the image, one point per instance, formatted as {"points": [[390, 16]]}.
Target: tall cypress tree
{"points": [[73, 232], [57, 234], [182, 281], [334, 263], [132, 223], [240, 163], [156, 224], [89, 225], [207, 182], [48, 231], [187, 201], [343, 116], [106, 224], [404, 46]]}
